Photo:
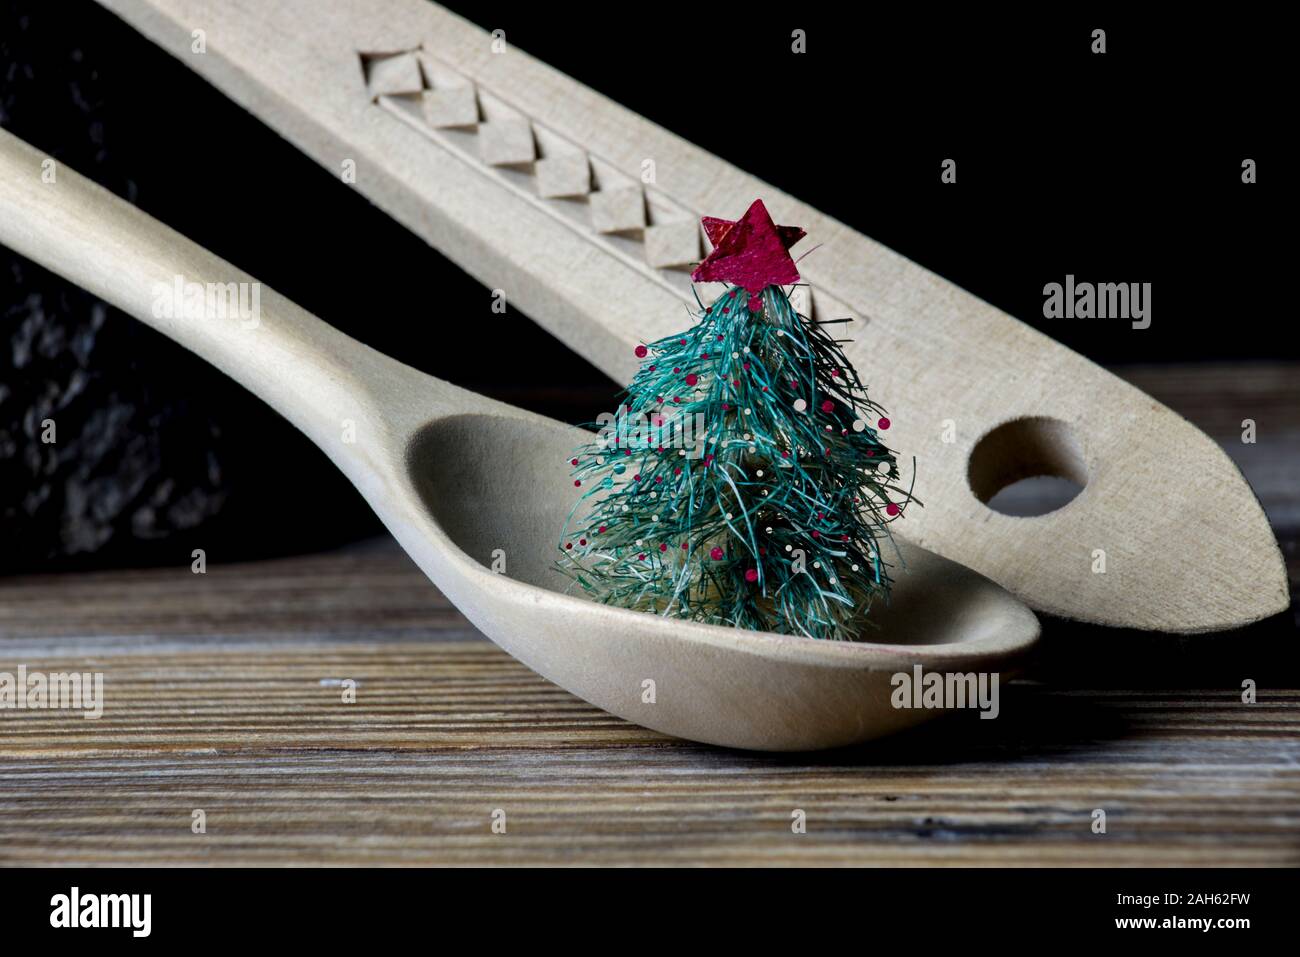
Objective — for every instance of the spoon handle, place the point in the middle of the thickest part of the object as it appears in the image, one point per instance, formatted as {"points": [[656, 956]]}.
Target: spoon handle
{"points": [[317, 377]]}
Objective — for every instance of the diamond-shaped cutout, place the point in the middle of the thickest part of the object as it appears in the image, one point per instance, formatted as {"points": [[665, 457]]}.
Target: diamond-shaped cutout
{"points": [[672, 244], [397, 75], [451, 106], [507, 141], [618, 210], [568, 174]]}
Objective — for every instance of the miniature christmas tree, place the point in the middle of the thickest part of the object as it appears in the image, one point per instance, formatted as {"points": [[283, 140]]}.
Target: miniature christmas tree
{"points": [[744, 480]]}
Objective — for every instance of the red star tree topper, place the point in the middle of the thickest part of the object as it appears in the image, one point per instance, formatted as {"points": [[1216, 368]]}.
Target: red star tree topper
{"points": [[752, 252]]}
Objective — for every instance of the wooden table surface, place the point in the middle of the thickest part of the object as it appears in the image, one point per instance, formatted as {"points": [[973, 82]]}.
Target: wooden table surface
{"points": [[224, 693]]}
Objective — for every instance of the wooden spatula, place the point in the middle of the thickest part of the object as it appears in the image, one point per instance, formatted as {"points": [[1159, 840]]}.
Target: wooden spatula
{"points": [[536, 185]]}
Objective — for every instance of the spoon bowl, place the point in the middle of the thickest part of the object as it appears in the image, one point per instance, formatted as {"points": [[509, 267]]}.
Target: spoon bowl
{"points": [[493, 487], [477, 491]]}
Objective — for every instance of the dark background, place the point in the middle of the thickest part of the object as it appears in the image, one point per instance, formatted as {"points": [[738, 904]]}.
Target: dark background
{"points": [[1124, 167]]}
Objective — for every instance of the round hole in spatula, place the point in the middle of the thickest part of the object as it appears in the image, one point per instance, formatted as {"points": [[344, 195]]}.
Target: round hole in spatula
{"points": [[1028, 467]]}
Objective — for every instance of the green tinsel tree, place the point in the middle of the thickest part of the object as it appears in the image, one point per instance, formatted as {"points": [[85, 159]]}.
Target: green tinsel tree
{"points": [[744, 480]]}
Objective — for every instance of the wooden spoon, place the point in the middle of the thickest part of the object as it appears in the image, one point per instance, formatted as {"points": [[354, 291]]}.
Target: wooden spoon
{"points": [[542, 187], [462, 482]]}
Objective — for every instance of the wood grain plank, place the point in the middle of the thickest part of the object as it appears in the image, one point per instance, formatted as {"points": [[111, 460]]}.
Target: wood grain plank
{"points": [[653, 805], [444, 733]]}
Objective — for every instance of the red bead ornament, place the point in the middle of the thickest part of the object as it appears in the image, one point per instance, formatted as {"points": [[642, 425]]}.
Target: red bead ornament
{"points": [[641, 557], [641, 352], [663, 548], [891, 509], [883, 424], [692, 379], [573, 461], [716, 553], [751, 575], [828, 406], [577, 483]]}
